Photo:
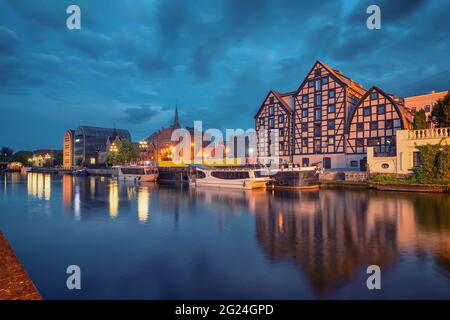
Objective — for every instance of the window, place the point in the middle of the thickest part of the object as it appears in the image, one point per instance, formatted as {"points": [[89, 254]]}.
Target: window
{"points": [[304, 127], [366, 111], [325, 81], [305, 142], [305, 98], [281, 132], [374, 96], [281, 119], [360, 126], [373, 125], [318, 85], [305, 162], [427, 108], [261, 121], [332, 108], [317, 129], [414, 109], [381, 109], [331, 125], [311, 83], [331, 140], [271, 99], [271, 123], [317, 146], [230, 175], [317, 72], [359, 142], [373, 142], [389, 124], [305, 113], [317, 114], [318, 99], [331, 93], [271, 110], [354, 164]]}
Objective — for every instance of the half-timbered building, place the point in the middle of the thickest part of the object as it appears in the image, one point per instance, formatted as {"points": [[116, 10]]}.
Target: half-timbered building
{"points": [[275, 115], [373, 123], [323, 102]]}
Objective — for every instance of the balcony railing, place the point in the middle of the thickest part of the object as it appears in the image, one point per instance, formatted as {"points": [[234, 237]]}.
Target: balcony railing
{"points": [[435, 133]]}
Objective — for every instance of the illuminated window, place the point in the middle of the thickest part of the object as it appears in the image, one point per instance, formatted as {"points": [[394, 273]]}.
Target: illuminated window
{"points": [[331, 140], [92, 161]]}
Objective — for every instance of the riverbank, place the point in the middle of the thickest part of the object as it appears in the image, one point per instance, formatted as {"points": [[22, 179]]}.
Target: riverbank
{"points": [[15, 284]]}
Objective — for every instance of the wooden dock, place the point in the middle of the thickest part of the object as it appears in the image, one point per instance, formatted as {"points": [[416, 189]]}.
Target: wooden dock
{"points": [[15, 284]]}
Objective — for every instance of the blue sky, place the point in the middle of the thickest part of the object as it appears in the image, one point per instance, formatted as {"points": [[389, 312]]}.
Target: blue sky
{"points": [[133, 60]]}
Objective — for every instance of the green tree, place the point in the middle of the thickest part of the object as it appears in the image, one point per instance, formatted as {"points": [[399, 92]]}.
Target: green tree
{"points": [[6, 153], [441, 112], [435, 162], [126, 152], [58, 159], [22, 157], [420, 120]]}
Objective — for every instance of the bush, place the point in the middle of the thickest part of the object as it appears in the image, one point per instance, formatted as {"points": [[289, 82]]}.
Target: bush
{"points": [[435, 162]]}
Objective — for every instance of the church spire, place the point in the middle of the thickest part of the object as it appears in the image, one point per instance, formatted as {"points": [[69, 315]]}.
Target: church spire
{"points": [[176, 121]]}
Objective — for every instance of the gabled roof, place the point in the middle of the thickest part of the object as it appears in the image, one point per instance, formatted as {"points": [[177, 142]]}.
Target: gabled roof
{"points": [[338, 76], [405, 116], [280, 97]]}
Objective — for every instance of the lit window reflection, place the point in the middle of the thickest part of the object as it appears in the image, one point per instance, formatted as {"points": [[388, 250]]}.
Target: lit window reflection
{"points": [[113, 199], [143, 204]]}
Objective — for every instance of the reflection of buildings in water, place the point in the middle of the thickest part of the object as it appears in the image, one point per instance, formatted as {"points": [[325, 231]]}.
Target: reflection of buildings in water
{"points": [[331, 234], [67, 190], [92, 186], [113, 199], [39, 185], [143, 204], [326, 233]]}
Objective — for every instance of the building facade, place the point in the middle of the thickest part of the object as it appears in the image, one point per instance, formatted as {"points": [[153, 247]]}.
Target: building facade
{"points": [[374, 123], [275, 116], [322, 105], [330, 120], [424, 102], [68, 149], [90, 144]]}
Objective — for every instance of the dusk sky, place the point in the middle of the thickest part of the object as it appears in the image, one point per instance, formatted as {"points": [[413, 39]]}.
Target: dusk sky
{"points": [[133, 61]]}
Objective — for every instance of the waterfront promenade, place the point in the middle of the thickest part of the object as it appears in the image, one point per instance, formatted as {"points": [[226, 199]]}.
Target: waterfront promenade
{"points": [[15, 284]]}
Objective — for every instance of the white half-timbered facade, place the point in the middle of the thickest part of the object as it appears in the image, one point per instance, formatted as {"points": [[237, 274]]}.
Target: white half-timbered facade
{"points": [[373, 123], [322, 105], [275, 116]]}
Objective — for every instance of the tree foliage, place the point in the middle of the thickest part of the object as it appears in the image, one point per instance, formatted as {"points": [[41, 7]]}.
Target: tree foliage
{"points": [[22, 157], [126, 152], [6, 153], [435, 162], [420, 120], [441, 112]]}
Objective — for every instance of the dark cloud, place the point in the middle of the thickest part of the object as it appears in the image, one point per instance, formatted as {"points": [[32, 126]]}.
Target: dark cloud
{"points": [[218, 59], [141, 114]]}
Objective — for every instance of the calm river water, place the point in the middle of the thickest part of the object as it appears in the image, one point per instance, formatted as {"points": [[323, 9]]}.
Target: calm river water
{"points": [[161, 242]]}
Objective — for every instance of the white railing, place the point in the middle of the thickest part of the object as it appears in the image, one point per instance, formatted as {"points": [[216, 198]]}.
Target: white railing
{"points": [[436, 133]]}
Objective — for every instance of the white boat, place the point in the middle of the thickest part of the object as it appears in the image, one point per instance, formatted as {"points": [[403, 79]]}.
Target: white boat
{"points": [[236, 177], [134, 173]]}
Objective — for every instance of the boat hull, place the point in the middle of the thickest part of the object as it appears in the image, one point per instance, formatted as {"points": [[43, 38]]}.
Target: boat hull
{"points": [[246, 184]]}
